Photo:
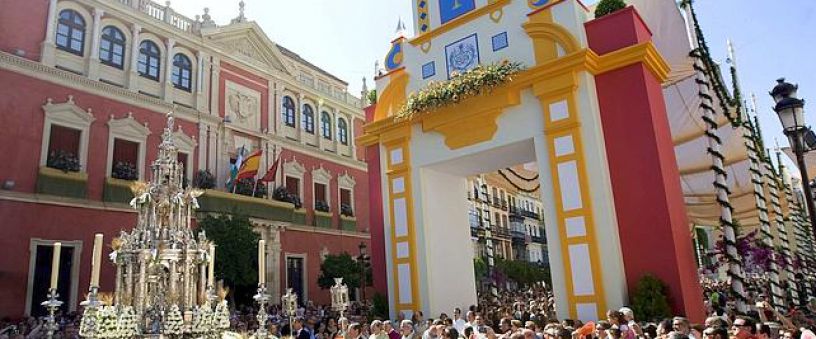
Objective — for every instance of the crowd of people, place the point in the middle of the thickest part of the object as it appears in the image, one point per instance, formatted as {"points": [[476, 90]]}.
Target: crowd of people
{"points": [[528, 314]]}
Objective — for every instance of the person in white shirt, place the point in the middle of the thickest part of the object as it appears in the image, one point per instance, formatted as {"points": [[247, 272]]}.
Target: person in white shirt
{"points": [[471, 319], [458, 323]]}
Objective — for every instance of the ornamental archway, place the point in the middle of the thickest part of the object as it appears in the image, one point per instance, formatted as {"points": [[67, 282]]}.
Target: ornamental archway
{"points": [[588, 109]]}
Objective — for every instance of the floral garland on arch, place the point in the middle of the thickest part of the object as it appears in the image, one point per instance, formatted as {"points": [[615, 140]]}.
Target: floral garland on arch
{"points": [[478, 80]]}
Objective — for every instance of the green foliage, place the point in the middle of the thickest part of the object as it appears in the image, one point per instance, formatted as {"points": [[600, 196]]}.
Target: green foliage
{"points": [[379, 306], [125, 170], [246, 185], [236, 254], [63, 160], [522, 272], [480, 268], [281, 194], [322, 206], [346, 210], [649, 300], [204, 180], [372, 96], [342, 266], [608, 6], [479, 80]]}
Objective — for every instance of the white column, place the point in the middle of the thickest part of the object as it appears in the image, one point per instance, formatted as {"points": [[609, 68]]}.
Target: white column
{"points": [[49, 48], [168, 70], [215, 86], [272, 112], [133, 75], [336, 149], [212, 139], [273, 276], [352, 137], [318, 123], [201, 82], [279, 92], [298, 116], [202, 147], [92, 63]]}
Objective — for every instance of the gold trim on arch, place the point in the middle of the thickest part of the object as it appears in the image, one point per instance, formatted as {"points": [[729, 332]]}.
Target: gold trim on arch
{"points": [[553, 73], [495, 6]]}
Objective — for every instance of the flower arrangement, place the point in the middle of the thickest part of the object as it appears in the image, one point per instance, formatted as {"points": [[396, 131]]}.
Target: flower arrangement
{"points": [[128, 323], [204, 180], [125, 170], [281, 194], [108, 323], [173, 321], [346, 210], [90, 318], [63, 161], [246, 185], [322, 206], [479, 80], [203, 319], [222, 316]]}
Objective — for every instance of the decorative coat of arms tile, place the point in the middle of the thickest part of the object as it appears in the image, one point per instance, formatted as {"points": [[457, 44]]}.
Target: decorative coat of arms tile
{"points": [[462, 55], [243, 106]]}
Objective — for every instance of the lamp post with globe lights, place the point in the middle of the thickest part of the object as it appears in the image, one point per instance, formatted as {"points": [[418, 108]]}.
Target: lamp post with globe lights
{"points": [[791, 112]]}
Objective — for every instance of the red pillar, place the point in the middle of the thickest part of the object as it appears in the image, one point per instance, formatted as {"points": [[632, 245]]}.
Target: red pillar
{"points": [[652, 222], [378, 268]]}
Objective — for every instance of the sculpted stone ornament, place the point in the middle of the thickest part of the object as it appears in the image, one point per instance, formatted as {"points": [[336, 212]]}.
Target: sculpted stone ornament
{"points": [[242, 106]]}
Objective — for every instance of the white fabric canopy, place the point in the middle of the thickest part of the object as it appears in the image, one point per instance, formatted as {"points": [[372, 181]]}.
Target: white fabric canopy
{"points": [[685, 118]]}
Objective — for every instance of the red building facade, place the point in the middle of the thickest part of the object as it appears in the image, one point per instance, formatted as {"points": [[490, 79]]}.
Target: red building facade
{"points": [[86, 87]]}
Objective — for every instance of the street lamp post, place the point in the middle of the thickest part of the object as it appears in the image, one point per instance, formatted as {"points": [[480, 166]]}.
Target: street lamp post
{"points": [[363, 259], [791, 112]]}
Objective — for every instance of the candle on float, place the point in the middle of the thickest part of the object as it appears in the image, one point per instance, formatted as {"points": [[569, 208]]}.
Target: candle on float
{"points": [[55, 263], [96, 260], [211, 275], [261, 262]]}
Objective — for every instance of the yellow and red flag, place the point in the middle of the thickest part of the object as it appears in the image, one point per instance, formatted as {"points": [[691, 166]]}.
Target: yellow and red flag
{"points": [[249, 167]]}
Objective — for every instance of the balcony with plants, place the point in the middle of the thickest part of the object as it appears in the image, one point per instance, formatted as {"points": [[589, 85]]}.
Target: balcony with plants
{"points": [[62, 176], [322, 215], [348, 222], [117, 186], [248, 198]]}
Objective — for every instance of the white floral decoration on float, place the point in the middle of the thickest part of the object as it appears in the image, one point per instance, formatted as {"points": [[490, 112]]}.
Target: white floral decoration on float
{"points": [[173, 322]]}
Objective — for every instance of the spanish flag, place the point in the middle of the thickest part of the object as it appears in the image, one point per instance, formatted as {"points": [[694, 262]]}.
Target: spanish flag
{"points": [[249, 167]]}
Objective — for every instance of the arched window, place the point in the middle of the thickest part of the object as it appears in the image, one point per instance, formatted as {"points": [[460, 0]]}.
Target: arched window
{"points": [[149, 60], [112, 47], [308, 119], [342, 131], [288, 113], [71, 32], [182, 72], [326, 125]]}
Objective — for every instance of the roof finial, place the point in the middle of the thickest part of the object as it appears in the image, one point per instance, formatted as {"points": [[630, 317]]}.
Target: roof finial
{"points": [[241, 17], [400, 31]]}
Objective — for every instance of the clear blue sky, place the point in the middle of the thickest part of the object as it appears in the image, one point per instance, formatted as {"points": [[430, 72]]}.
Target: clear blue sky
{"points": [[771, 38]]}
